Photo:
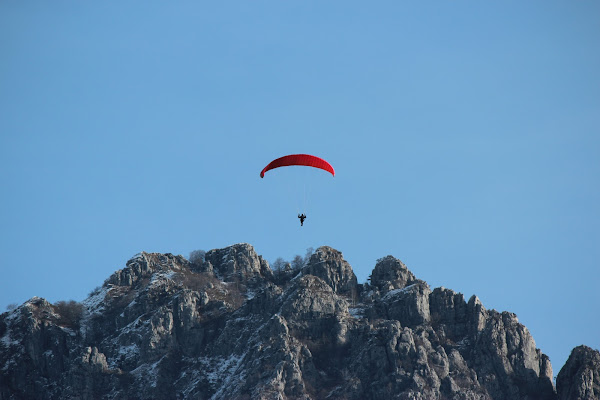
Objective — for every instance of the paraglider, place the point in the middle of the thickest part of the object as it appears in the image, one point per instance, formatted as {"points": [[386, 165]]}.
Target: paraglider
{"points": [[302, 218], [298, 159], [301, 160]]}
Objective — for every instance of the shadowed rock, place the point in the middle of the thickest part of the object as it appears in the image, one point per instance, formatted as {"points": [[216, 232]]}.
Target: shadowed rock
{"points": [[580, 376]]}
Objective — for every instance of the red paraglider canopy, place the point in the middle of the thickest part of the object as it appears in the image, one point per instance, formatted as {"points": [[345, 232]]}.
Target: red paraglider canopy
{"points": [[299, 159]]}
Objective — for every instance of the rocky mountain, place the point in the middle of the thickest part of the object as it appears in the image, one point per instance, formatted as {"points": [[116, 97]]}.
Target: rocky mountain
{"points": [[228, 327], [580, 377]]}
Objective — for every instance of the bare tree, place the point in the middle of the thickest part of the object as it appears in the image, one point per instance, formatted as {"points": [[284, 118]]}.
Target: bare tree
{"points": [[278, 264], [70, 312], [278, 267], [197, 256], [309, 252], [297, 263]]}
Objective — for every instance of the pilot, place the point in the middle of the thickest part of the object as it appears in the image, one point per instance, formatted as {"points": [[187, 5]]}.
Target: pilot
{"points": [[302, 218]]}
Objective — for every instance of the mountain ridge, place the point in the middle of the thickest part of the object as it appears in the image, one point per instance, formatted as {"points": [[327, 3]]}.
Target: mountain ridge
{"points": [[228, 326]]}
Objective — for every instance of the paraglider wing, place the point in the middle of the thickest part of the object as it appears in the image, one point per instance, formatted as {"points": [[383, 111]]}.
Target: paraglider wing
{"points": [[299, 159]]}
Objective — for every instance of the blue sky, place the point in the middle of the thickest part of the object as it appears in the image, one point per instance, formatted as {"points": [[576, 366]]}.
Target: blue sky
{"points": [[465, 137]]}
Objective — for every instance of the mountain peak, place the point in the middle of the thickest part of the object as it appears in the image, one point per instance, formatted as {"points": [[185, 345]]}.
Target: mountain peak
{"points": [[390, 273], [580, 377], [226, 327], [329, 265], [239, 261]]}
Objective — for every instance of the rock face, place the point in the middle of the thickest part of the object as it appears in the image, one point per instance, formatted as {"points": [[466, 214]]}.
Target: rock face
{"points": [[225, 328], [580, 377], [239, 261], [329, 265], [390, 273]]}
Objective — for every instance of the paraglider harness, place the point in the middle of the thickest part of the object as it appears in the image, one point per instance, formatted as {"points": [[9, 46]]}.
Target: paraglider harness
{"points": [[302, 218]]}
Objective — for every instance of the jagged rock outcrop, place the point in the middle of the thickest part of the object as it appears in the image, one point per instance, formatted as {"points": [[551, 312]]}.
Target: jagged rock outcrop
{"points": [[580, 377], [449, 312], [329, 265], [409, 305], [239, 261], [226, 328], [390, 273]]}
